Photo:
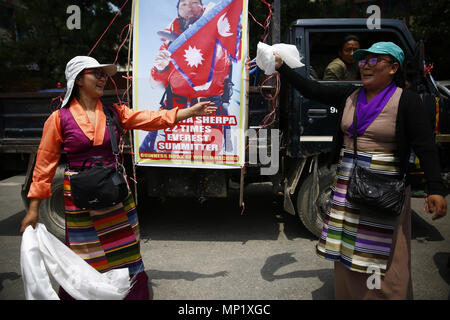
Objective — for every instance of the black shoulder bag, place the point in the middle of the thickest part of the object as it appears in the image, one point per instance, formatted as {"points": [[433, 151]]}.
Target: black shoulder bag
{"points": [[98, 185], [383, 193]]}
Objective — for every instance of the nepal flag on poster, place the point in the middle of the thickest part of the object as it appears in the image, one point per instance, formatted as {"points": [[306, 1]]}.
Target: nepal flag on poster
{"points": [[193, 52]]}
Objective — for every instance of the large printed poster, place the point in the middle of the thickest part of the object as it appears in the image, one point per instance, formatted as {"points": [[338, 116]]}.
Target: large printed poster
{"points": [[186, 51]]}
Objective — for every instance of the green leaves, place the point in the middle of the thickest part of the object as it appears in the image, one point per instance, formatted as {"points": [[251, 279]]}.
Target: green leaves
{"points": [[38, 51]]}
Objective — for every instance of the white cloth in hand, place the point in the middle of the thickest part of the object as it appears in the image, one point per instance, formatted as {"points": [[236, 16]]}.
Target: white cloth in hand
{"points": [[40, 250], [265, 59]]}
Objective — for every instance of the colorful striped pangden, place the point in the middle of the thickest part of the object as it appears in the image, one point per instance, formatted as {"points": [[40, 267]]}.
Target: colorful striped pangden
{"points": [[350, 235], [106, 238]]}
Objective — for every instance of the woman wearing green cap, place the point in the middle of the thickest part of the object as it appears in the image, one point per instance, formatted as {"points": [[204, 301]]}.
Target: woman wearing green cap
{"points": [[390, 121]]}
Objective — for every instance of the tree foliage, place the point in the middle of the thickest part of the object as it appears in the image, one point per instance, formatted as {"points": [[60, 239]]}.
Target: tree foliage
{"points": [[43, 44], [431, 24], [427, 20]]}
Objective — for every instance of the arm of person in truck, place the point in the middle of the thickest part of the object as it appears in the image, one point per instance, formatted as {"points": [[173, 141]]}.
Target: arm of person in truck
{"points": [[327, 94]]}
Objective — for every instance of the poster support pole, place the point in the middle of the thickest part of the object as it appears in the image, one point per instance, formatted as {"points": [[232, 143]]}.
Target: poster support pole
{"points": [[130, 134]]}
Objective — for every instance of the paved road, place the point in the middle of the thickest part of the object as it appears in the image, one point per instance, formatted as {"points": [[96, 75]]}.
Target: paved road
{"points": [[211, 251]]}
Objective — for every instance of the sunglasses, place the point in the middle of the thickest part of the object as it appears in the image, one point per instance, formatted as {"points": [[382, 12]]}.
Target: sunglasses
{"points": [[98, 74], [372, 62]]}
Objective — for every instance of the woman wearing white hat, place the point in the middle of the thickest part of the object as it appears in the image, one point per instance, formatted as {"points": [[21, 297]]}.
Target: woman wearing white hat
{"points": [[390, 121], [107, 238]]}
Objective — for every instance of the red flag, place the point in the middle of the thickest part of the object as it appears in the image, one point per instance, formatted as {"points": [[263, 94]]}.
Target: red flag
{"points": [[193, 52]]}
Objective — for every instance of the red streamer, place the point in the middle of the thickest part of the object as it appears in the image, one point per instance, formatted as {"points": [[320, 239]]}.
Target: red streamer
{"points": [[107, 28], [427, 69]]}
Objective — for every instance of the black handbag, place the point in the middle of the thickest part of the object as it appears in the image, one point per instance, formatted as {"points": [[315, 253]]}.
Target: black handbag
{"points": [[97, 185], [383, 193]]}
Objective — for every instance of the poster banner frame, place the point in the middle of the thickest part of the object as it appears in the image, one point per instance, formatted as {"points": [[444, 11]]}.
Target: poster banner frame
{"points": [[141, 85]]}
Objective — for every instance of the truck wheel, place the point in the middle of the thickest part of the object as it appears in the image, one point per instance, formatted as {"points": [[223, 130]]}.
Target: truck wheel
{"points": [[310, 212], [51, 211]]}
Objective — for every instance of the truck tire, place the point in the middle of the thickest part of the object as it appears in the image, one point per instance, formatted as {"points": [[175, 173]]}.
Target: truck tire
{"points": [[310, 212], [51, 211]]}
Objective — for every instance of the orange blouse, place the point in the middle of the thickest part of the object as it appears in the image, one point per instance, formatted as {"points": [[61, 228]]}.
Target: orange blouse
{"points": [[49, 151]]}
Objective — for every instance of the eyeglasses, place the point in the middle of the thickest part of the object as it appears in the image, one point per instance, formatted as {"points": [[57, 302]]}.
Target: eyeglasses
{"points": [[372, 62], [98, 74]]}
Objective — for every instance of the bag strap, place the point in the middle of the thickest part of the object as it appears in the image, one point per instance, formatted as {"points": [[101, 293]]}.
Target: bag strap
{"points": [[355, 144], [112, 135], [355, 135], [113, 116]]}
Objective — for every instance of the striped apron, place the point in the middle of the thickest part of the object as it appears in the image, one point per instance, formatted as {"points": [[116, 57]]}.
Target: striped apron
{"points": [[360, 240], [107, 238]]}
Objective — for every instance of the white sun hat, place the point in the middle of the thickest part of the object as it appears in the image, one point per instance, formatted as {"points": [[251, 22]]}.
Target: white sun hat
{"points": [[78, 64]]}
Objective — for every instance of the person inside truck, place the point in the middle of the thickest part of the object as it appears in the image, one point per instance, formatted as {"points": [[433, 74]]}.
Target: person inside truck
{"points": [[79, 128], [178, 92], [391, 121], [344, 67]]}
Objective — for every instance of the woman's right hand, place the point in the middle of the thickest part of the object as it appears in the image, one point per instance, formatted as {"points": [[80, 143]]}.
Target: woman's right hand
{"points": [[437, 204], [32, 216], [278, 60]]}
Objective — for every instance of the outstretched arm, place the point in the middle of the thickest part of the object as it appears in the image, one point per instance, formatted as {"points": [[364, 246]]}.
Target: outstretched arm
{"points": [[149, 120], [327, 94]]}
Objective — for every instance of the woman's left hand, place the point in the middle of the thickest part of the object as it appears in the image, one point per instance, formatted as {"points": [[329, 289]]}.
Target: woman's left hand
{"points": [[436, 203]]}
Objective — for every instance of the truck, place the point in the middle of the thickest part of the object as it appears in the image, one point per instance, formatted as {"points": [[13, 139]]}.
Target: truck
{"points": [[305, 127]]}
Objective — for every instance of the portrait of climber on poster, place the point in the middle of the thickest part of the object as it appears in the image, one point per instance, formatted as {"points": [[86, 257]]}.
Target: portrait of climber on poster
{"points": [[193, 55]]}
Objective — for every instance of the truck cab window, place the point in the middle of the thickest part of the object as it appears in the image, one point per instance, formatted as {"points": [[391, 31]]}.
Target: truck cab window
{"points": [[330, 52]]}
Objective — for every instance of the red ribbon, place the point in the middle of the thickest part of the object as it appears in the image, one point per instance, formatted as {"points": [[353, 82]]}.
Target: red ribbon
{"points": [[427, 69]]}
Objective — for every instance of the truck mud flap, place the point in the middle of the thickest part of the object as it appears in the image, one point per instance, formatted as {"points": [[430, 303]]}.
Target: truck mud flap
{"points": [[291, 185]]}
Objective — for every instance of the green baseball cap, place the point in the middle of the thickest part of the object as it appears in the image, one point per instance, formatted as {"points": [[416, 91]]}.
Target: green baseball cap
{"points": [[381, 48]]}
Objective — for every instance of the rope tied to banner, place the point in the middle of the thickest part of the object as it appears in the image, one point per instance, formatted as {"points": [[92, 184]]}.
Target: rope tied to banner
{"points": [[267, 21], [270, 97], [270, 118], [120, 100], [60, 101]]}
